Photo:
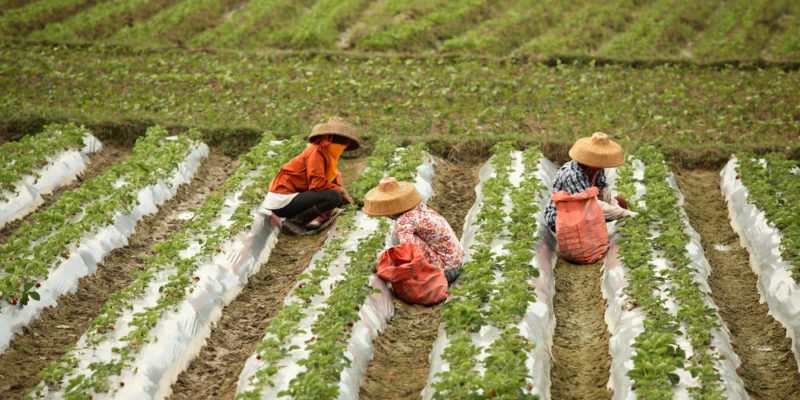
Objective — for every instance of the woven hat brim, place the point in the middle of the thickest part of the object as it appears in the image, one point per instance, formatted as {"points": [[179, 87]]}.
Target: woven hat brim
{"points": [[586, 153], [339, 130], [381, 204]]}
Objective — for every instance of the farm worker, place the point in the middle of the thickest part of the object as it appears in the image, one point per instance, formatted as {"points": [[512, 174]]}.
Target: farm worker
{"points": [[308, 188], [580, 186], [416, 223]]}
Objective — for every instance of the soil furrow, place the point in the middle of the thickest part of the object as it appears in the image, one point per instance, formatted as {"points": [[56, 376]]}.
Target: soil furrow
{"points": [[768, 369], [98, 162], [43, 341], [214, 373], [581, 360], [401, 351]]}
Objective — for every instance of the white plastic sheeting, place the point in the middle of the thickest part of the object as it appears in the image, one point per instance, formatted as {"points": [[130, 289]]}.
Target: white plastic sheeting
{"points": [[374, 314], [180, 333], [762, 240], [625, 324], [60, 170], [96, 245], [538, 323]]}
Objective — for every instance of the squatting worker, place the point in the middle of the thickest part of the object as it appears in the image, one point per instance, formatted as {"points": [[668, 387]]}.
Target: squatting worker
{"points": [[306, 187], [417, 223], [589, 156]]}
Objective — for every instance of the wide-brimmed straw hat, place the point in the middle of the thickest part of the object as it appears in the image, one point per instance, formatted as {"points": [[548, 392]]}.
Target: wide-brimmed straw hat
{"points": [[597, 151], [391, 197], [337, 126]]}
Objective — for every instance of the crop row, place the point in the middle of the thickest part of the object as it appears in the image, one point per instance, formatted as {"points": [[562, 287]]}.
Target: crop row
{"points": [[667, 29], [494, 330], [45, 258], [150, 330], [673, 107], [37, 164], [762, 194], [319, 343], [667, 337]]}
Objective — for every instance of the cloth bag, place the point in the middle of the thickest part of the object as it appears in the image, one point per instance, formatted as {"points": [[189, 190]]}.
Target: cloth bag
{"points": [[414, 280], [580, 226]]}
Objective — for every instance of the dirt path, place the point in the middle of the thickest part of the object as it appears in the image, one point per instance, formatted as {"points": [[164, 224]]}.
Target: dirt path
{"points": [[580, 345], [214, 373], [98, 162], [401, 351], [768, 369], [43, 341]]}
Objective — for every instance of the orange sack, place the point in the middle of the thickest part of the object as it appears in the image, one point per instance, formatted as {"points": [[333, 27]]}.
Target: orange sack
{"points": [[580, 226], [414, 280]]}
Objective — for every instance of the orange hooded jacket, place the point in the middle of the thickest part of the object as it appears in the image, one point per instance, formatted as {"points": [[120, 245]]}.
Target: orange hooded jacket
{"points": [[307, 172]]}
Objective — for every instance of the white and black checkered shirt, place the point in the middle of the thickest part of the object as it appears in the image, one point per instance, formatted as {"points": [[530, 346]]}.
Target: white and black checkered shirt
{"points": [[572, 179]]}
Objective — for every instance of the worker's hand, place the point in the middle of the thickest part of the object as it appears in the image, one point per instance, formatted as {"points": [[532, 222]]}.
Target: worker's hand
{"points": [[632, 214], [346, 196]]}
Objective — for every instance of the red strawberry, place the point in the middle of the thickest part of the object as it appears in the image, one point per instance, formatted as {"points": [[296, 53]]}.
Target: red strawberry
{"points": [[737, 176], [390, 379], [530, 386], [64, 255], [122, 384], [350, 323], [112, 327], [38, 284], [197, 278], [300, 286], [258, 356], [14, 302], [219, 250], [358, 308], [492, 394]]}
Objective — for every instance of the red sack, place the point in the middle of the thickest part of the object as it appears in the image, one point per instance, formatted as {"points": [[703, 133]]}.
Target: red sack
{"points": [[414, 280], [580, 226]]}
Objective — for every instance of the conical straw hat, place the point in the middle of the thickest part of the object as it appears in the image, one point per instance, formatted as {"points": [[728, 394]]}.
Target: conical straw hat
{"points": [[597, 151], [337, 126], [391, 197]]}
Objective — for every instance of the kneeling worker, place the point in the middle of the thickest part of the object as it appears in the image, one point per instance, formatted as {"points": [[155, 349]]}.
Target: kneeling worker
{"points": [[417, 223], [306, 187]]}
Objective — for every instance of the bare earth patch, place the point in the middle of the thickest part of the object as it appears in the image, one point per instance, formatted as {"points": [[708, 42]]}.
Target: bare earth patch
{"points": [[768, 369], [214, 373], [401, 351], [98, 162], [43, 341], [581, 360]]}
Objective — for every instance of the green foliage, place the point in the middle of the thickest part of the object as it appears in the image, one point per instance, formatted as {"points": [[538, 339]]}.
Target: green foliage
{"points": [[773, 185]]}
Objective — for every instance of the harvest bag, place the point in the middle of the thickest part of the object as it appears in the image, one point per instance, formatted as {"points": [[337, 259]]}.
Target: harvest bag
{"points": [[580, 226], [414, 280]]}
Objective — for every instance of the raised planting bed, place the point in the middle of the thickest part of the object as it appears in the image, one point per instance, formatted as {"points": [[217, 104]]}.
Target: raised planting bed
{"points": [[45, 259], [763, 194], [36, 165], [667, 338], [497, 328], [149, 331], [321, 341]]}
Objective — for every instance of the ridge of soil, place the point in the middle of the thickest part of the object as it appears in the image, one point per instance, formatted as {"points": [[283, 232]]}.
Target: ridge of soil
{"points": [[214, 373], [581, 362], [768, 368], [401, 351], [43, 341], [98, 162]]}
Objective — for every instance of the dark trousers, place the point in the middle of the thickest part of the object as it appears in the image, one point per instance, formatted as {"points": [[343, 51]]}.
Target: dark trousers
{"points": [[324, 200]]}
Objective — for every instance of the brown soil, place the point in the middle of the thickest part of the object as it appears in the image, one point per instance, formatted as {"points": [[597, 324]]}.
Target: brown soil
{"points": [[768, 369], [401, 351], [581, 360], [50, 17], [214, 373], [43, 341], [98, 162]]}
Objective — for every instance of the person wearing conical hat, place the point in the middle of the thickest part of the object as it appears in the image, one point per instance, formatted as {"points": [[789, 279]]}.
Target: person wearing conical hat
{"points": [[307, 187], [417, 223], [589, 156]]}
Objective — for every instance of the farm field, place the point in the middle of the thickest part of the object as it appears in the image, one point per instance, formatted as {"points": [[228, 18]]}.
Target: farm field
{"points": [[138, 138]]}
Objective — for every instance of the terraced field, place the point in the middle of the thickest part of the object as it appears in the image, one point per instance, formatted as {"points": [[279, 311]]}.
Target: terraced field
{"points": [[137, 139]]}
